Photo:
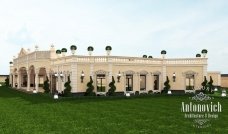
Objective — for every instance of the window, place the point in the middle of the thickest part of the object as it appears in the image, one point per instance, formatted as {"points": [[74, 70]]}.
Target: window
{"points": [[129, 82], [189, 82], [101, 83], [142, 82], [156, 82]]}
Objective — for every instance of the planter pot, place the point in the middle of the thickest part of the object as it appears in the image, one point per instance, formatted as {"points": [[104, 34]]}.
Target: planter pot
{"points": [[128, 94], [56, 96], [223, 94], [169, 92]]}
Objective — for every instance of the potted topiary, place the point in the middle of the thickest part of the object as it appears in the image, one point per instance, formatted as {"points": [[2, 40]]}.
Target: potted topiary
{"points": [[108, 50], [73, 48], [90, 50], [204, 52], [163, 53], [64, 51]]}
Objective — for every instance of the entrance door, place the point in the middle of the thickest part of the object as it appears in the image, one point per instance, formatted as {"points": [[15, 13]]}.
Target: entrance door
{"points": [[156, 82], [129, 82], [101, 83]]}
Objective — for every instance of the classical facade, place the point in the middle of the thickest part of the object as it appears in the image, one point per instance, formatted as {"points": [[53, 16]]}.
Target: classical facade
{"points": [[29, 70]]}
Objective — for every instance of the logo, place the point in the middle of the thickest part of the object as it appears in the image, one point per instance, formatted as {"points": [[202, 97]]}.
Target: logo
{"points": [[201, 109]]}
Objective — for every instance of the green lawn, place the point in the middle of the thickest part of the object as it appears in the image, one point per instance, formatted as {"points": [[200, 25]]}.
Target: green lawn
{"points": [[39, 113]]}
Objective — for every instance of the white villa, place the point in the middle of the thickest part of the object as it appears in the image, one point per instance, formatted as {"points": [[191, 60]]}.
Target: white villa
{"points": [[30, 69]]}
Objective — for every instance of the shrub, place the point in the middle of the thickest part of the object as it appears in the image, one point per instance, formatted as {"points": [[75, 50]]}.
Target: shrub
{"points": [[90, 88], [67, 90], [150, 92], [204, 85], [210, 86], [7, 81], [167, 86], [46, 86], [136, 93], [111, 91]]}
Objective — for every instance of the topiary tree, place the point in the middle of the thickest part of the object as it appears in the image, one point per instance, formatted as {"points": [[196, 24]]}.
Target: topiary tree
{"points": [[7, 81], [210, 86], [46, 86], [166, 85], [111, 91], [90, 88], [67, 90], [204, 85]]}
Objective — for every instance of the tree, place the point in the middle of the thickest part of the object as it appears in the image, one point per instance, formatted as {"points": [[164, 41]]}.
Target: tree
{"points": [[111, 91], [7, 81], [46, 86], [167, 85], [204, 85], [90, 88], [210, 85], [67, 90]]}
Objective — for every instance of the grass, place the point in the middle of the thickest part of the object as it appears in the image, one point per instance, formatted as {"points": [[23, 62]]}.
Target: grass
{"points": [[39, 113]]}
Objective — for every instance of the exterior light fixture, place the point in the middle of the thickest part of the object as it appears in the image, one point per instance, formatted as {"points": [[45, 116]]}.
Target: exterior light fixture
{"points": [[59, 74], [118, 76], [82, 76], [174, 77]]}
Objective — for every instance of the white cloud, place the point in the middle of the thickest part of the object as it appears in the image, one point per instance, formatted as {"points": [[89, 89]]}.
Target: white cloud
{"points": [[133, 28]]}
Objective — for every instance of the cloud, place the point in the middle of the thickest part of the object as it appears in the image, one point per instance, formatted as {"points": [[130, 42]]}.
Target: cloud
{"points": [[133, 28]]}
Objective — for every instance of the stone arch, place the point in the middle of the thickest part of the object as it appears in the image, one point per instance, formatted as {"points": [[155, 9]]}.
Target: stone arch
{"points": [[156, 73], [190, 72], [129, 72], [190, 79], [144, 72], [101, 72], [23, 77]]}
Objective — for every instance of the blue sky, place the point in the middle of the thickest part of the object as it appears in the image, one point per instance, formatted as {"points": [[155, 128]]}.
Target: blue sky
{"points": [[132, 27]]}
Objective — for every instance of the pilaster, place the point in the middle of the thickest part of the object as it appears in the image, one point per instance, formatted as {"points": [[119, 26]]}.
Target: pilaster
{"points": [[28, 80], [74, 77]]}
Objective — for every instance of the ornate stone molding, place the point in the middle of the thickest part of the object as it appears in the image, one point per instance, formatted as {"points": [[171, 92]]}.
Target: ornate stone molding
{"points": [[143, 72], [101, 72], [129, 72], [156, 73]]}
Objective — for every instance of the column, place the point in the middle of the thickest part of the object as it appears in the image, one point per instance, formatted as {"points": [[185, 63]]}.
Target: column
{"points": [[152, 81], [74, 77], [18, 80], [124, 82], [138, 76], [28, 80], [57, 82], [10, 79], [37, 80], [13, 81], [163, 75], [149, 82]]}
